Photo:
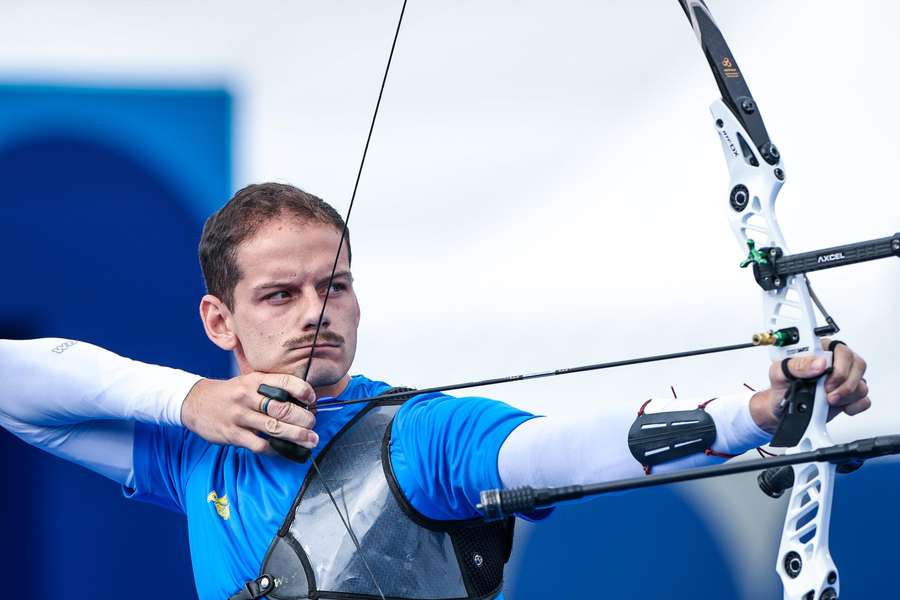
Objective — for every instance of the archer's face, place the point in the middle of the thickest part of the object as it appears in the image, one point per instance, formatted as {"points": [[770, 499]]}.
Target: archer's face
{"points": [[285, 268]]}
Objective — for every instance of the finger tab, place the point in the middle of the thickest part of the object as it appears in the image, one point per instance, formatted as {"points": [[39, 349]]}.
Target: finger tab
{"points": [[281, 411], [273, 392]]}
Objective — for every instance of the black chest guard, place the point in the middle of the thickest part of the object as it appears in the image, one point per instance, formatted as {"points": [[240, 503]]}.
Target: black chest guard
{"points": [[410, 556]]}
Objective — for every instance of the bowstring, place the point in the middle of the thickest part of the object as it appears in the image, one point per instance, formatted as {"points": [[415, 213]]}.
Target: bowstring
{"points": [[337, 256]]}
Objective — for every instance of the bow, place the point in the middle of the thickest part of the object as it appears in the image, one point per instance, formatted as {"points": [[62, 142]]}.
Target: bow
{"points": [[755, 167], [757, 174], [811, 459]]}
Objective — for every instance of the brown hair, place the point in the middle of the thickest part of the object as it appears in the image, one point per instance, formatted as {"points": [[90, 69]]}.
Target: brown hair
{"points": [[241, 217]]}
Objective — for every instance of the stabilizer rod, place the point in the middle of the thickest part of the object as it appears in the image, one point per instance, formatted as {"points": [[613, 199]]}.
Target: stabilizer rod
{"points": [[773, 273], [499, 503]]}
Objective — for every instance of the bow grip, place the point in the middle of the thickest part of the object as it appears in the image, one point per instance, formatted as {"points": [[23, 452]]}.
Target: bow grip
{"points": [[798, 410], [798, 406]]}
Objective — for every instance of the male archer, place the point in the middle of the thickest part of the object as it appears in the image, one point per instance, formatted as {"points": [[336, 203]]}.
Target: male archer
{"points": [[388, 507]]}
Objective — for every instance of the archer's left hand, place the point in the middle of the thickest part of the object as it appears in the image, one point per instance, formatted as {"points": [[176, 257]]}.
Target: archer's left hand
{"points": [[846, 389]]}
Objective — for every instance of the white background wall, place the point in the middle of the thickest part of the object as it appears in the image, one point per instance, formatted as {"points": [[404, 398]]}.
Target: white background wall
{"points": [[542, 175]]}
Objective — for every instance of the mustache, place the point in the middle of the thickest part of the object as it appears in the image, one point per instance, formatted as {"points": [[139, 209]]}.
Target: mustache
{"points": [[325, 338]]}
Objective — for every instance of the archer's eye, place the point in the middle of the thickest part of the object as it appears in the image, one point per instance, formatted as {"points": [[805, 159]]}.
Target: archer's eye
{"points": [[278, 297], [338, 287]]}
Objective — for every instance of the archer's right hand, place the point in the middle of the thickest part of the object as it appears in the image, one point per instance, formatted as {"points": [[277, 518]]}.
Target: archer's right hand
{"points": [[230, 411]]}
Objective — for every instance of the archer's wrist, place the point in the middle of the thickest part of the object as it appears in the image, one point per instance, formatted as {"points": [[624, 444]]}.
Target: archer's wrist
{"points": [[763, 411], [188, 412]]}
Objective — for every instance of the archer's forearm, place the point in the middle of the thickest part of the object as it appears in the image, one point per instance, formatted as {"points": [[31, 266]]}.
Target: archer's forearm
{"points": [[79, 401], [592, 447]]}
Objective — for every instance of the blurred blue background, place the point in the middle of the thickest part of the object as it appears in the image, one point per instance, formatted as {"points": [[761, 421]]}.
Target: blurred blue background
{"points": [[104, 192]]}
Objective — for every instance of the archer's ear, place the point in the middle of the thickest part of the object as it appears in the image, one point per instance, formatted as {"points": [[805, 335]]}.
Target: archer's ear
{"points": [[218, 322]]}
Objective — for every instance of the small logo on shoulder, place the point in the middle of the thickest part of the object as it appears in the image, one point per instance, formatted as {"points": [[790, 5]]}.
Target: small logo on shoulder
{"points": [[63, 347], [221, 504], [826, 258]]}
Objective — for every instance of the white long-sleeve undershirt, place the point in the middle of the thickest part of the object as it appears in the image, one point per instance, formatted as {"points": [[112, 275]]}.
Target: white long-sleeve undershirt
{"points": [[592, 447], [79, 401]]}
